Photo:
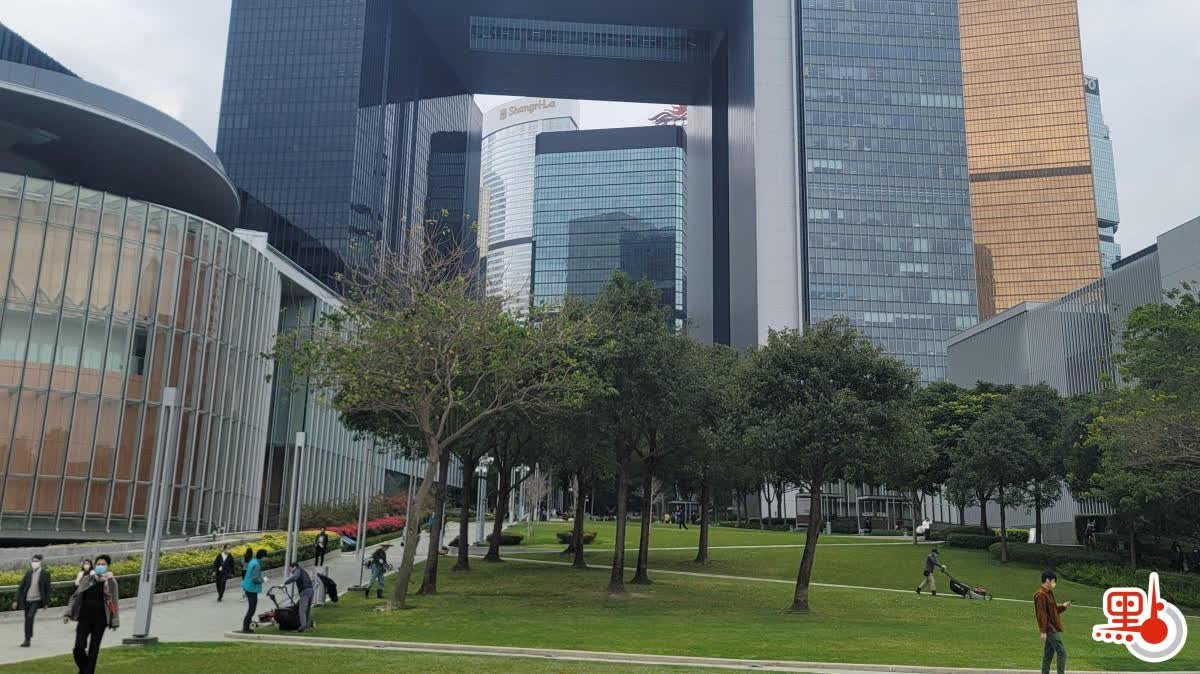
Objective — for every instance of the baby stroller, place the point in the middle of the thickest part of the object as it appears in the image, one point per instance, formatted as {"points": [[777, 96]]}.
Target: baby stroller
{"points": [[966, 591], [287, 617]]}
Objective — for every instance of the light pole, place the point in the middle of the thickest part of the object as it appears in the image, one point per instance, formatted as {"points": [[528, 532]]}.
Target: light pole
{"points": [[161, 479], [481, 471], [294, 502], [364, 501]]}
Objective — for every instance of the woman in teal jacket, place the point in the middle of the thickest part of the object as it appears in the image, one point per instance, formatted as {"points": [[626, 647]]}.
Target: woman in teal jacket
{"points": [[252, 582]]}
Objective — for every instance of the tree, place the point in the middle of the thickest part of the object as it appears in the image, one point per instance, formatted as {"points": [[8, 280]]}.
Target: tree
{"points": [[1041, 409], [909, 464], [950, 418], [417, 348], [516, 444], [629, 360], [999, 450], [820, 401], [469, 452]]}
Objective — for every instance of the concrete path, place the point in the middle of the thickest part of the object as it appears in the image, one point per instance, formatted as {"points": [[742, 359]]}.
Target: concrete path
{"points": [[195, 618], [619, 658]]}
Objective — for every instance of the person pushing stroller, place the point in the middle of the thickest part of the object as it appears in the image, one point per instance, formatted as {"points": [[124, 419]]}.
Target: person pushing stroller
{"points": [[931, 563]]}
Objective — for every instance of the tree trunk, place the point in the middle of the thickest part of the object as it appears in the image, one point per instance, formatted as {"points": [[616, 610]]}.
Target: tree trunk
{"points": [[1132, 544], [762, 519], [779, 501], [404, 574], [640, 574], [705, 497], [1003, 528], [1037, 515], [804, 576], [616, 579], [434, 554], [962, 515], [577, 531], [505, 486], [983, 523], [464, 520], [916, 505]]}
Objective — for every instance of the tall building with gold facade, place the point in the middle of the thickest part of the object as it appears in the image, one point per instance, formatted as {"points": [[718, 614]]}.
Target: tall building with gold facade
{"points": [[1033, 205]]}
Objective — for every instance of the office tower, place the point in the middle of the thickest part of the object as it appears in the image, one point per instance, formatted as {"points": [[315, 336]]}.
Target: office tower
{"points": [[508, 161], [1104, 175], [608, 200], [888, 212], [1032, 195], [328, 118]]}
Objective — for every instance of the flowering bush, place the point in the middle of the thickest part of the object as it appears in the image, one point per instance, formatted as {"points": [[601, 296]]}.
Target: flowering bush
{"points": [[326, 513], [375, 527]]}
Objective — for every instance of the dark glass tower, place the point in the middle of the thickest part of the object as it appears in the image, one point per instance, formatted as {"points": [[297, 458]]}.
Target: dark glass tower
{"points": [[15, 48], [608, 200], [885, 174], [328, 122]]}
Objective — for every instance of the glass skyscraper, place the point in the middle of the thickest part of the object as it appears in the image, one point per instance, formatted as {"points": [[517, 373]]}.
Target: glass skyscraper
{"points": [[328, 122], [885, 174], [506, 220], [17, 49], [1104, 175], [608, 200]]}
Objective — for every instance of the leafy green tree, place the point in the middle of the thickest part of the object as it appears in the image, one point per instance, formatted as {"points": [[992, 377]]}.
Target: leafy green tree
{"points": [[998, 450], [1041, 409], [822, 402], [629, 360], [418, 348], [909, 464], [949, 422]]}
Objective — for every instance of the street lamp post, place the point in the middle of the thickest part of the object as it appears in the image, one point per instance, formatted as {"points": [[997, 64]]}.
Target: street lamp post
{"points": [[157, 500], [481, 497], [293, 545], [364, 501]]}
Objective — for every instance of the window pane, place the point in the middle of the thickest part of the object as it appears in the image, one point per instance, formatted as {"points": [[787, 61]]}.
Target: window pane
{"points": [[112, 215], [92, 356], [25, 261], [155, 224], [79, 451], [79, 272], [8, 234], [54, 435], [62, 206], [36, 204], [104, 276], [135, 221], [10, 195], [106, 437], [127, 279], [14, 335], [54, 266], [88, 216]]}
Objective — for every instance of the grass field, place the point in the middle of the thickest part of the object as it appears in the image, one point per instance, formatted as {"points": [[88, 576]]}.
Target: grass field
{"points": [[662, 535], [534, 605], [221, 658]]}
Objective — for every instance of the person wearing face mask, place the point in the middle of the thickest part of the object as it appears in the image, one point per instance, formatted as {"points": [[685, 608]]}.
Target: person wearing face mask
{"points": [[32, 594], [223, 567], [85, 569], [93, 607]]}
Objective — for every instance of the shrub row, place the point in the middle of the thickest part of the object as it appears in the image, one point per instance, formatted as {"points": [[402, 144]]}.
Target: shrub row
{"points": [[169, 579], [506, 538], [564, 537], [1013, 535], [375, 527], [1052, 556], [1177, 588], [970, 541]]}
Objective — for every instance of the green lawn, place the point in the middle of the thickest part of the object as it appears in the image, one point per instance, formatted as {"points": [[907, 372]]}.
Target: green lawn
{"points": [[519, 604], [220, 658], [661, 535]]}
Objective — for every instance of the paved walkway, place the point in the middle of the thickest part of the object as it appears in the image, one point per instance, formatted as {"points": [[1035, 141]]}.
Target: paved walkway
{"points": [[197, 618]]}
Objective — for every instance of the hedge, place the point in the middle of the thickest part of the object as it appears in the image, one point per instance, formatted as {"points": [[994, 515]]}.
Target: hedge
{"points": [[375, 527], [168, 580], [1177, 588], [506, 538], [970, 541], [1052, 556], [943, 534], [844, 525], [564, 537]]}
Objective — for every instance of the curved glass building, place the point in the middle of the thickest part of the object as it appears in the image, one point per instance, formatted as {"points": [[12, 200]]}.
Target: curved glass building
{"points": [[121, 275], [506, 193]]}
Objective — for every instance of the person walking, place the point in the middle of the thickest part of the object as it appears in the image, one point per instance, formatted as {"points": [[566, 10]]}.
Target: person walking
{"points": [[322, 546], [85, 568], [681, 519], [304, 586], [94, 608], [252, 585], [32, 594], [1049, 618], [931, 562], [378, 565], [247, 557], [1089, 535], [223, 568]]}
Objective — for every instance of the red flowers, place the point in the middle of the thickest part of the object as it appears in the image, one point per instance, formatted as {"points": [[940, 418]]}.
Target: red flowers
{"points": [[375, 527]]}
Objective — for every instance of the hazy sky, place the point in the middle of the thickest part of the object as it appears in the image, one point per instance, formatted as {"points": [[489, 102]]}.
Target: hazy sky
{"points": [[171, 54]]}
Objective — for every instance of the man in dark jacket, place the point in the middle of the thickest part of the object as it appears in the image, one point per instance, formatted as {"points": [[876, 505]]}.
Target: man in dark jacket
{"points": [[32, 594], [1049, 618], [223, 567], [322, 547], [931, 563], [304, 586], [378, 565]]}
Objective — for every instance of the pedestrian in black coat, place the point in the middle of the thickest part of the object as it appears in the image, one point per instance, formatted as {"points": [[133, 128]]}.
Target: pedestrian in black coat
{"points": [[32, 594], [224, 569]]}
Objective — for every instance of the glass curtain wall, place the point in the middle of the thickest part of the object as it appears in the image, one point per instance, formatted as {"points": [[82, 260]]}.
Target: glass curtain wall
{"points": [[106, 302]]}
